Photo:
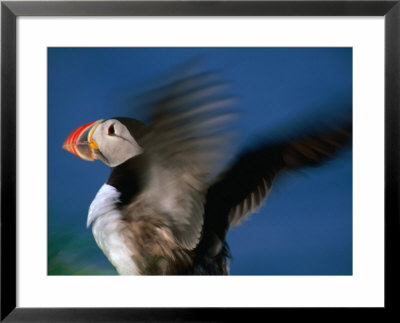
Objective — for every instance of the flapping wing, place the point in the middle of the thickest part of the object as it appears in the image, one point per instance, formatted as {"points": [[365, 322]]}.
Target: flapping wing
{"points": [[246, 184], [184, 145], [256, 170]]}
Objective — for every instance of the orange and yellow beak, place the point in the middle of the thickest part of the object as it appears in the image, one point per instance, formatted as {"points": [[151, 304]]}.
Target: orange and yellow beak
{"points": [[80, 141]]}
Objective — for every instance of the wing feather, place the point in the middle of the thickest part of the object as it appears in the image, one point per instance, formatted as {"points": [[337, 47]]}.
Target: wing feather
{"points": [[251, 176], [185, 143]]}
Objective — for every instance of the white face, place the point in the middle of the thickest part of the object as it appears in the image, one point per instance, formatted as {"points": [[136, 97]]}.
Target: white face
{"points": [[115, 143]]}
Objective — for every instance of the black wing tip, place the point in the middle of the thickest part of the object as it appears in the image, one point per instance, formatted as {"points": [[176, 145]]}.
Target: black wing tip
{"points": [[316, 148]]}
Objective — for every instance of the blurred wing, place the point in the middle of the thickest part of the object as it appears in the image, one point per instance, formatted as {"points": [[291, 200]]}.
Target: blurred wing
{"points": [[246, 184], [184, 146]]}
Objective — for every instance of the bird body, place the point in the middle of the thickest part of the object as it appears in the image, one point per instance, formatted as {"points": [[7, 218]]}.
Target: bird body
{"points": [[166, 208]]}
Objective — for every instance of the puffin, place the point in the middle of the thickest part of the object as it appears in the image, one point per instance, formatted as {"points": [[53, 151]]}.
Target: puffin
{"points": [[175, 189]]}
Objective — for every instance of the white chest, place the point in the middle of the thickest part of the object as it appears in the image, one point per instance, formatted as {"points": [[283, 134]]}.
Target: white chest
{"points": [[107, 227]]}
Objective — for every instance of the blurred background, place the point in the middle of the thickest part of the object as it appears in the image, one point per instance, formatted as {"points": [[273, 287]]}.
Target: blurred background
{"points": [[305, 227]]}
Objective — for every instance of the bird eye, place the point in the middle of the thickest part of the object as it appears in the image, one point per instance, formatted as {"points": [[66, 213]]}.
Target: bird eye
{"points": [[111, 130]]}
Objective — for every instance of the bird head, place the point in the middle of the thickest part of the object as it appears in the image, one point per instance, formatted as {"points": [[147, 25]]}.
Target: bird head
{"points": [[112, 141]]}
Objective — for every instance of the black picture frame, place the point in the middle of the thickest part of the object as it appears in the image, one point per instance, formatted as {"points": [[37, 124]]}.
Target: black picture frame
{"points": [[10, 10]]}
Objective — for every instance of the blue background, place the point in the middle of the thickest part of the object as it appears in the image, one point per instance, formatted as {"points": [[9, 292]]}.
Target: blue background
{"points": [[305, 228]]}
